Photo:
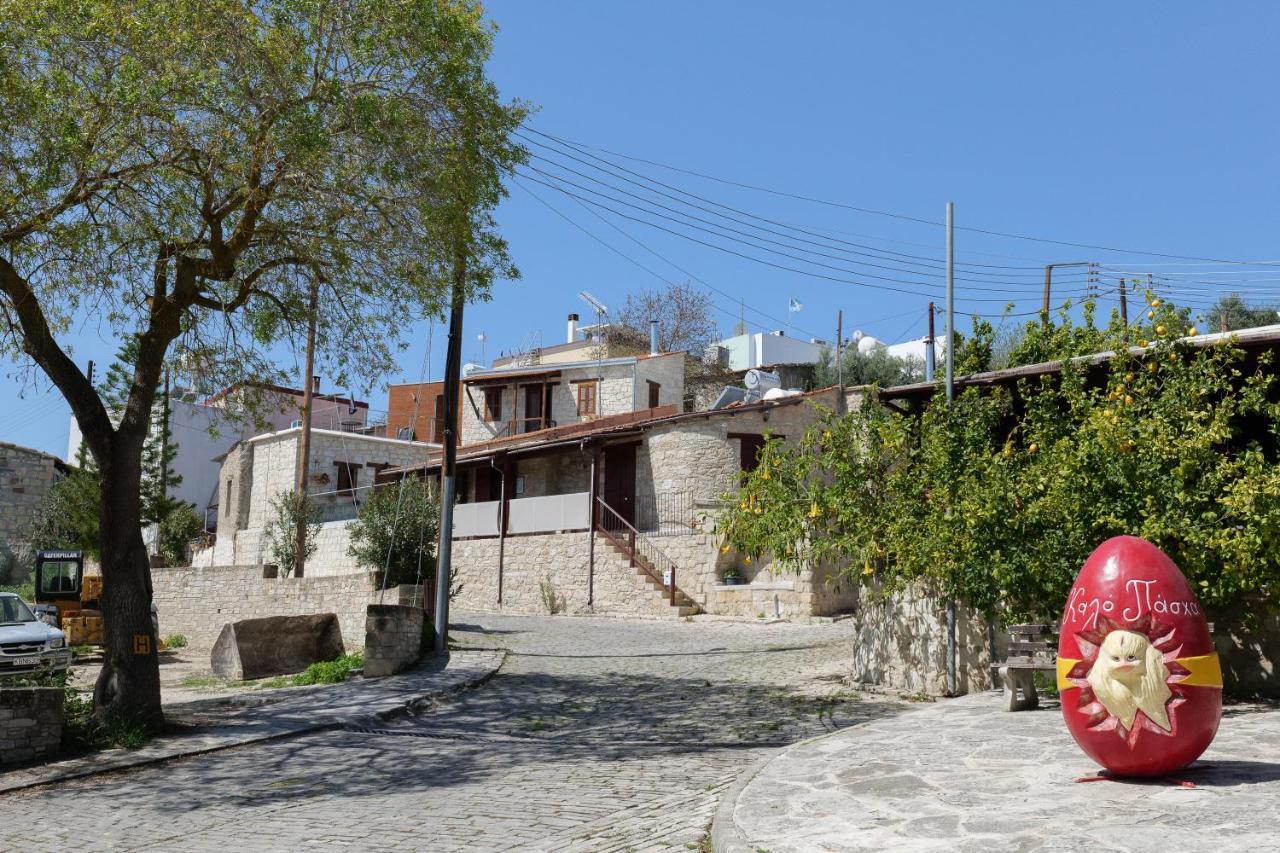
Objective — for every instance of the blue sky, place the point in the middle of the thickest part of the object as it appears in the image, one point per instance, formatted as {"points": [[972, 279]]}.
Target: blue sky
{"points": [[1137, 126]]}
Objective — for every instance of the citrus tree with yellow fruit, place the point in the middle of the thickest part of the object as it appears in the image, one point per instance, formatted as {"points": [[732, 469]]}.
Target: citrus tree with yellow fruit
{"points": [[998, 497]]}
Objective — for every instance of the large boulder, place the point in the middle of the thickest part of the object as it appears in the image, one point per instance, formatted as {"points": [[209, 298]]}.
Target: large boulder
{"points": [[275, 645]]}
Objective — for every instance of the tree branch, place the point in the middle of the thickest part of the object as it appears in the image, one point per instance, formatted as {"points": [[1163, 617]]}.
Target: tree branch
{"points": [[39, 343]]}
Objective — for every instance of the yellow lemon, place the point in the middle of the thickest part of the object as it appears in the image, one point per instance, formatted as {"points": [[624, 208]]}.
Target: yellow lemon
{"points": [[1192, 332], [1033, 447], [1152, 367], [1155, 303], [1151, 315], [1128, 400], [1160, 330], [1142, 342]]}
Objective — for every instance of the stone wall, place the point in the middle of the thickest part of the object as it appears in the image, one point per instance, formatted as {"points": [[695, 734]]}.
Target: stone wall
{"points": [[668, 371], [903, 644], [393, 638], [25, 478], [30, 723], [554, 566], [197, 602]]}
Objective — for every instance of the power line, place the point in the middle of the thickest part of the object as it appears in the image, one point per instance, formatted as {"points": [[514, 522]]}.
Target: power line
{"points": [[765, 262], [907, 218], [879, 254]]}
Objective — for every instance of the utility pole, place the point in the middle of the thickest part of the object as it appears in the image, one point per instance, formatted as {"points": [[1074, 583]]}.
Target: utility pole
{"points": [[951, 302], [840, 359], [929, 356], [304, 438], [951, 378], [1048, 285], [449, 465], [1124, 306]]}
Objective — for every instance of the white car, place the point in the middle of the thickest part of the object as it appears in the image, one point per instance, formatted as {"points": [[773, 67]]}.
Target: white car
{"points": [[28, 644]]}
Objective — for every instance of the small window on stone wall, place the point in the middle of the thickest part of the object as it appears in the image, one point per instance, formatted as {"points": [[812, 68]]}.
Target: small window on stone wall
{"points": [[348, 477]]}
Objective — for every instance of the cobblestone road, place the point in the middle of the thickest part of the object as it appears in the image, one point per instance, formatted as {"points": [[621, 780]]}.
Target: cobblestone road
{"points": [[597, 734]]}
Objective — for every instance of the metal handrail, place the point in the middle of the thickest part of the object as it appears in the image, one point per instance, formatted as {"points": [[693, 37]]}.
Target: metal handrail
{"points": [[641, 550]]}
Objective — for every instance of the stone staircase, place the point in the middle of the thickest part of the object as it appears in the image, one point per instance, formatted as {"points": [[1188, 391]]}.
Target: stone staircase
{"points": [[656, 599]]}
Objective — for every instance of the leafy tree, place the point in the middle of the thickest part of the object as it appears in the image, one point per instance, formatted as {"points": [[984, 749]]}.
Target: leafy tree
{"points": [[69, 515], [190, 171], [876, 367], [397, 531], [999, 497], [1233, 313], [683, 312], [180, 525], [282, 529]]}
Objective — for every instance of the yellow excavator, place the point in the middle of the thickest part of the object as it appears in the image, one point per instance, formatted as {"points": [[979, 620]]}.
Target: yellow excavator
{"points": [[67, 599]]}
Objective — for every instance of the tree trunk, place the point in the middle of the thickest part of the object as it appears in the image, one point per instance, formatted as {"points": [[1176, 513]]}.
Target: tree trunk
{"points": [[129, 685]]}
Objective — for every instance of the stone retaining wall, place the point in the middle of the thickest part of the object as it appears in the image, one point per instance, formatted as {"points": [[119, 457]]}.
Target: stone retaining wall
{"points": [[393, 638], [30, 723], [902, 644], [197, 602]]}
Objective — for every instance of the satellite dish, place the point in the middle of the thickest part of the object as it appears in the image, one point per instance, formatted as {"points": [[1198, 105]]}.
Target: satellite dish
{"points": [[866, 344]]}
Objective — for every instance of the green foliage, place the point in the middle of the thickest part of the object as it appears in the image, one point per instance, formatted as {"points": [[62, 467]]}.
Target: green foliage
{"points": [[176, 641], [998, 498], [876, 367], [68, 516], [551, 600], [397, 531], [331, 671], [282, 529], [177, 530], [1234, 313]]}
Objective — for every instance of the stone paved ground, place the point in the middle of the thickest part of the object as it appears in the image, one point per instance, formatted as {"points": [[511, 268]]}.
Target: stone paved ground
{"points": [[597, 734], [966, 775]]}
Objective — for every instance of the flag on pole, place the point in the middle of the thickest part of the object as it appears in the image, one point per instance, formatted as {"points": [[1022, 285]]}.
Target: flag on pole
{"points": [[793, 305]]}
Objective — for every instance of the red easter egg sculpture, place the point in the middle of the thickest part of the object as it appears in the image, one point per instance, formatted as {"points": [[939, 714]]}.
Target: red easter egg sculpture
{"points": [[1140, 681]]}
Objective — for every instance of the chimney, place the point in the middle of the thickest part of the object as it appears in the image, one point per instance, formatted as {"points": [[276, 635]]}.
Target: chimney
{"points": [[573, 328], [653, 337], [315, 384]]}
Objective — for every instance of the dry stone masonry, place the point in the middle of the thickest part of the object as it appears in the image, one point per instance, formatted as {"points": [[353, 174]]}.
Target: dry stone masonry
{"points": [[30, 723]]}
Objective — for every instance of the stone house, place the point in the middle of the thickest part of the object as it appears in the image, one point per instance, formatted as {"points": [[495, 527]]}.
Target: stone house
{"points": [[515, 399], [599, 515], [259, 469], [26, 475]]}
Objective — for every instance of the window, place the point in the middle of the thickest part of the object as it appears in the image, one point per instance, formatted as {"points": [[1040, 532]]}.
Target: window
{"points": [[586, 398], [492, 404], [348, 476], [59, 576], [749, 451], [654, 388]]}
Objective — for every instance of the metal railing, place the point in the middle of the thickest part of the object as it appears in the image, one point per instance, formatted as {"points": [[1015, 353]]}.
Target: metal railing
{"points": [[640, 549], [666, 514]]}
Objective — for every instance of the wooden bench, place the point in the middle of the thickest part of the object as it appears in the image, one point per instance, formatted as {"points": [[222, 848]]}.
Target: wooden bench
{"points": [[1032, 649]]}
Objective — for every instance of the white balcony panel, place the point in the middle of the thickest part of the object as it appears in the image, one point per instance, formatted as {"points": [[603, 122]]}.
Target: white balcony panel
{"points": [[550, 513], [477, 519]]}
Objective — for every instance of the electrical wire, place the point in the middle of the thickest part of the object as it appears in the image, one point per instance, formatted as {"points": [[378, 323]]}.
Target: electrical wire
{"points": [[907, 218], [933, 264]]}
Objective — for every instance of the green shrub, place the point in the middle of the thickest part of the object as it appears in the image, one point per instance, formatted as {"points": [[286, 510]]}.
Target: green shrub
{"points": [[282, 528], [177, 531], [330, 671], [176, 641], [396, 532]]}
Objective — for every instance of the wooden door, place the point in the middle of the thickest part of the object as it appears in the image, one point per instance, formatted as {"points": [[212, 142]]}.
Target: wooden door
{"points": [[533, 400], [620, 481]]}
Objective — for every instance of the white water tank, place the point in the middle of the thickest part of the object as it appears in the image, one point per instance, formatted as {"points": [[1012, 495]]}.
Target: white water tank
{"points": [[760, 381], [867, 344]]}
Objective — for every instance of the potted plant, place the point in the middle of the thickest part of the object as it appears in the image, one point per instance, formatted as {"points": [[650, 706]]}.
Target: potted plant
{"points": [[731, 577]]}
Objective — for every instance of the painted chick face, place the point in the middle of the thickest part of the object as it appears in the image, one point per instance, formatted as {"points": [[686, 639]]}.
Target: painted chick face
{"points": [[1128, 676]]}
